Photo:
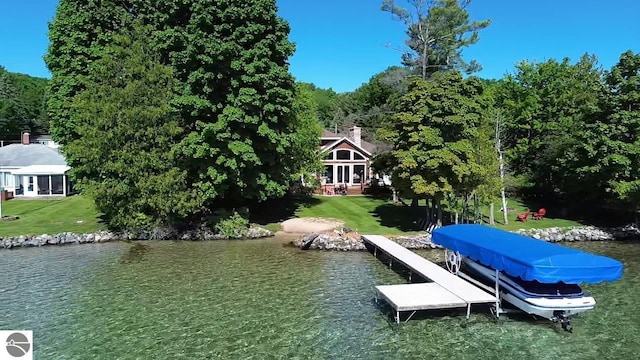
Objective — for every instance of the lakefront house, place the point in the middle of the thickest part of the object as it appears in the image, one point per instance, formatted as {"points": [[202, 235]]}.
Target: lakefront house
{"points": [[33, 168], [347, 163]]}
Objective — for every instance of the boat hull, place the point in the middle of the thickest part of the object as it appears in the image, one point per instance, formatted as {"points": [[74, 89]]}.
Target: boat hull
{"points": [[549, 307]]}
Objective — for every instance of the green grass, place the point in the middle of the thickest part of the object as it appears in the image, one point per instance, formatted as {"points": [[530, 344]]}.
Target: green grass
{"points": [[375, 216], [364, 214], [519, 207], [72, 214]]}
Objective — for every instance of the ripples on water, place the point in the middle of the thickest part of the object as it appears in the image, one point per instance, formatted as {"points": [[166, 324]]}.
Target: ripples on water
{"points": [[262, 300]]}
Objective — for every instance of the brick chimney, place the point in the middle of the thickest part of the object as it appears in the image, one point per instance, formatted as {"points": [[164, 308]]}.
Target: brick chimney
{"points": [[356, 135], [26, 138]]}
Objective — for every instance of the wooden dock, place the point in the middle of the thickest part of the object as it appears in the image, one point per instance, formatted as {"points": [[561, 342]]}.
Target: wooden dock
{"points": [[445, 291]]}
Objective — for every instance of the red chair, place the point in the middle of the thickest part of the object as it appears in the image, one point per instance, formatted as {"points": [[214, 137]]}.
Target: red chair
{"points": [[540, 214], [523, 217]]}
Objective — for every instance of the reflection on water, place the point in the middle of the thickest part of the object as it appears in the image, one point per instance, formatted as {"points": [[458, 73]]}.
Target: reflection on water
{"points": [[261, 299]]}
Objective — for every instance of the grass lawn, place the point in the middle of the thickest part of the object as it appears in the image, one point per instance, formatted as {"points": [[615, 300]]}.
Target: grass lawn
{"points": [[519, 207], [376, 216], [71, 214], [365, 214]]}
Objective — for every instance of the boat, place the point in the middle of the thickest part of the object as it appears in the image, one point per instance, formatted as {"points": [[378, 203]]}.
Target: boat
{"points": [[535, 276]]}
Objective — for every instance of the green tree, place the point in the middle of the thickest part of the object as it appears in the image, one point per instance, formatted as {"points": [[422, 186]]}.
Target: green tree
{"points": [[12, 111], [126, 130], [543, 106], [325, 103], [442, 137], [607, 158], [233, 89], [32, 94], [438, 30], [307, 141], [78, 35]]}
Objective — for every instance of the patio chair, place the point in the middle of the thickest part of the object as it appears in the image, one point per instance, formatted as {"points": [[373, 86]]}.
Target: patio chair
{"points": [[523, 217], [540, 214]]}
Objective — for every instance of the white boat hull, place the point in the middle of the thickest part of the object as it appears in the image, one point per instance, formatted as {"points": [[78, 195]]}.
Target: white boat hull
{"points": [[544, 306]]}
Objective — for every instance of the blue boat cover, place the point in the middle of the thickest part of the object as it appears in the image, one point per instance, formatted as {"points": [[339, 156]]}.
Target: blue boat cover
{"points": [[525, 257]]}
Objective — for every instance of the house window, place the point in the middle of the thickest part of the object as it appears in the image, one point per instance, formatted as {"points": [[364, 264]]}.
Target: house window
{"points": [[57, 185], [43, 185], [328, 173], [343, 155], [357, 156], [343, 173], [6, 179], [358, 173]]}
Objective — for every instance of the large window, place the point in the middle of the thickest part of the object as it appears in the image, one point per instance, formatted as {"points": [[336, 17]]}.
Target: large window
{"points": [[43, 185], [358, 174], [6, 179], [343, 155], [328, 173], [57, 185]]}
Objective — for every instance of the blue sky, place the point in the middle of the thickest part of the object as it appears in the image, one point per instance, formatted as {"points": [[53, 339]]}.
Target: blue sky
{"points": [[341, 44]]}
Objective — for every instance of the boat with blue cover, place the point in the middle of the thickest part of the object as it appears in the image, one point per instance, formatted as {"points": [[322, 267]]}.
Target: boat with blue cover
{"points": [[538, 277]]}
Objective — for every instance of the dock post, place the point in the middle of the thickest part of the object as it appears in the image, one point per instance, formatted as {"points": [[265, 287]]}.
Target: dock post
{"points": [[468, 310], [497, 295]]}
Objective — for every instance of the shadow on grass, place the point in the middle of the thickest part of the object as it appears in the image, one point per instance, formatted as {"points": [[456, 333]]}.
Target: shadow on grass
{"points": [[279, 210], [396, 216]]}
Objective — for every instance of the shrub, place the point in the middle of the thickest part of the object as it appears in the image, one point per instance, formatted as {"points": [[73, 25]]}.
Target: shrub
{"points": [[233, 225]]}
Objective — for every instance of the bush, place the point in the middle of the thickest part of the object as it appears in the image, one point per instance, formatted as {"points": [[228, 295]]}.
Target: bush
{"points": [[232, 225]]}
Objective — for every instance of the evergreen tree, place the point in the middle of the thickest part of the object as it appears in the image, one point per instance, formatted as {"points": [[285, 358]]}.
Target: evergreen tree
{"points": [[438, 30], [126, 130]]}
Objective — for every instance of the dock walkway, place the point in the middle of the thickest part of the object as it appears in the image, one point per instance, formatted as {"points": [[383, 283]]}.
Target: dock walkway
{"points": [[445, 291]]}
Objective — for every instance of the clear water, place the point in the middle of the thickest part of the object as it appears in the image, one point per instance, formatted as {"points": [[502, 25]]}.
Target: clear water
{"points": [[262, 299]]}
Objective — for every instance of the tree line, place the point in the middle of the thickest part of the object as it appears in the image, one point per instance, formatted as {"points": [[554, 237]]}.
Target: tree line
{"points": [[171, 110], [569, 131], [22, 105]]}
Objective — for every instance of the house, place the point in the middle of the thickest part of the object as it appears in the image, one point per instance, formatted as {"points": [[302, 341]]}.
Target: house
{"points": [[33, 170], [347, 162]]}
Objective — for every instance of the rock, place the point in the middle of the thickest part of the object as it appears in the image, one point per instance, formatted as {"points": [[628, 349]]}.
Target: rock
{"points": [[164, 233]]}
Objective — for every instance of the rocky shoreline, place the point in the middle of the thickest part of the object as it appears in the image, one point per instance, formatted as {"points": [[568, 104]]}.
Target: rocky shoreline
{"points": [[254, 232], [337, 240], [341, 240]]}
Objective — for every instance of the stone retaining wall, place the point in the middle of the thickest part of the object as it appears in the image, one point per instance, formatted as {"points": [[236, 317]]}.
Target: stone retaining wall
{"points": [[253, 232], [351, 241]]}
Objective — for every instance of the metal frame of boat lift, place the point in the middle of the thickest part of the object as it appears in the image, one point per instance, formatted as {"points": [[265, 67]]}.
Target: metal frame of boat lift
{"points": [[454, 262]]}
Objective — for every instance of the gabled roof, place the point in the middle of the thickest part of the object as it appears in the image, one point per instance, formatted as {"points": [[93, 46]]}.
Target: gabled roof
{"points": [[364, 145], [333, 144], [27, 155]]}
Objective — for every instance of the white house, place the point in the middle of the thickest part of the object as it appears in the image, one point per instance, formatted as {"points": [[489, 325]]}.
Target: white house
{"points": [[33, 170]]}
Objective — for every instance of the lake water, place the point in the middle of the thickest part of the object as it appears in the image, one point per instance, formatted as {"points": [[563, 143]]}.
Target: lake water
{"points": [[262, 299]]}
